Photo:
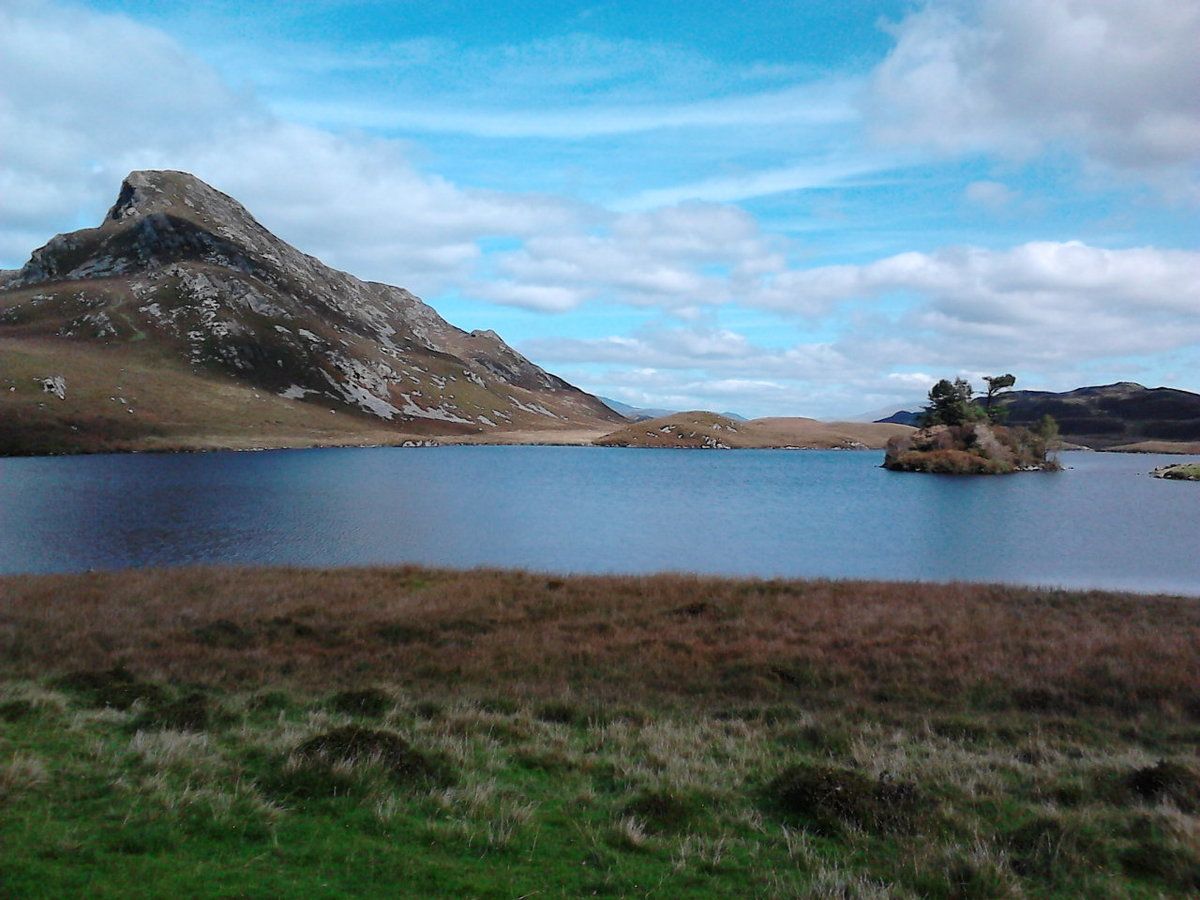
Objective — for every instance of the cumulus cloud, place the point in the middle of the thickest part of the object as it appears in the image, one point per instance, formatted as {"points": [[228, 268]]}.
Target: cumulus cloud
{"points": [[1035, 303], [681, 256], [721, 353], [88, 96], [1011, 285], [1114, 79]]}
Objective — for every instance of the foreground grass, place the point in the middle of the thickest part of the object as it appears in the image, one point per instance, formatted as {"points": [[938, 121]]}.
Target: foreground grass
{"points": [[282, 732]]}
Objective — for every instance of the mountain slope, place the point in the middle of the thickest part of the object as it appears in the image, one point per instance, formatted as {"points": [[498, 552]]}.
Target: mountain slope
{"points": [[181, 277], [1111, 415]]}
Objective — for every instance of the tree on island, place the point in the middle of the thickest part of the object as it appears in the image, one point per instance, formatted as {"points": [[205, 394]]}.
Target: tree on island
{"points": [[996, 384], [951, 403]]}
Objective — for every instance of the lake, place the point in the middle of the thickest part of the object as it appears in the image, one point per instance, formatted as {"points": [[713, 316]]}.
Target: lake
{"points": [[1101, 523]]}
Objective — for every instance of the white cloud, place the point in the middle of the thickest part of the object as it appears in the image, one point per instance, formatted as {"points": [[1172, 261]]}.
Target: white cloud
{"points": [[86, 97], [676, 257], [840, 172], [1011, 285], [718, 351], [797, 106], [1114, 79], [1036, 304]]}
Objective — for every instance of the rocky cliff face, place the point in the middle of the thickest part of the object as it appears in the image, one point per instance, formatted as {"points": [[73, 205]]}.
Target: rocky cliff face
{"points": [[186, 269]]}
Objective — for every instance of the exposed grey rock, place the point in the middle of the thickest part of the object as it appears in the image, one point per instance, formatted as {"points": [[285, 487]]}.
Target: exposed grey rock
{"points": [[56, 385]]}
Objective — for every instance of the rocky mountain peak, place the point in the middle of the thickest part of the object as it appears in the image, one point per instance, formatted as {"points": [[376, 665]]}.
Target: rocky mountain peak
{"points": [[183, 264], [148, 192]]}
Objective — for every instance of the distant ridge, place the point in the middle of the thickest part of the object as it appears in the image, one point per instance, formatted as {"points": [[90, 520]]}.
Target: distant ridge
{"points": [[1103, 416], [641, 414]]}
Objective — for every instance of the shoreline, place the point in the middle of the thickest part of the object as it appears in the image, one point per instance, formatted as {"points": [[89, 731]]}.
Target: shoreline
{"points": [[582, 438], [488, 570]]}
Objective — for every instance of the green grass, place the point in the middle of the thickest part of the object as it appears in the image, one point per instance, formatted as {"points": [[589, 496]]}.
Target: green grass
{"points": [[418, 732], [102, 801]]}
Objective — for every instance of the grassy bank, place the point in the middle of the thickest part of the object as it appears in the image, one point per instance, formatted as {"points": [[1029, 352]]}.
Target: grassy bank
{"points": [[290, 732]]}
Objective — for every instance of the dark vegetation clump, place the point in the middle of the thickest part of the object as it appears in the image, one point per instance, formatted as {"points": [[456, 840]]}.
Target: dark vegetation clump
{"points": [[270, 701], [429, 709], [501, 706], [223, 633], [560, 712], [1153, 854], [116, 687], [191, 712], [1047, 848], [828, 798], [352, 745], [15, 710], [1166, 781], [826, 740], [665, 811], [347, 761], [403, 633], [370, 703]]}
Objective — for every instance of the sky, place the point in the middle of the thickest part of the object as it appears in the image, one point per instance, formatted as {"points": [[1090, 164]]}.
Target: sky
{"points": [[774, 208]]}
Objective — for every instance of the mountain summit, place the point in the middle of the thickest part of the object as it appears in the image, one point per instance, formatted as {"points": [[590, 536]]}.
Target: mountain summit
{"points": [[182, 268]]}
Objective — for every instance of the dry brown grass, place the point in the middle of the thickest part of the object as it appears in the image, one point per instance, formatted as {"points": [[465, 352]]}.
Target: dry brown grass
{"points": [[700, 429], [668, 638]]}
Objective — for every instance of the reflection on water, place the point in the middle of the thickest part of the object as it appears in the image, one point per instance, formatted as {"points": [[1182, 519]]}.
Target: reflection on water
{"points": [[1101, 523]]}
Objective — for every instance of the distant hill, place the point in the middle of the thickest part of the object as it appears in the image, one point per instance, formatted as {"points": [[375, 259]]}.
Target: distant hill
{"points": [[181, 321], [641, 414], [1110, 416], [635, 413], [712, 431], [902, 417]]}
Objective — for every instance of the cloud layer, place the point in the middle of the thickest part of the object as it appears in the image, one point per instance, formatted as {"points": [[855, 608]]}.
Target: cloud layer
{"points": [[1116, 80]]}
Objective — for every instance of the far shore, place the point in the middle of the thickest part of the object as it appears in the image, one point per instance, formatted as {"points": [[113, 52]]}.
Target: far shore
{"points": [[573, 437]]}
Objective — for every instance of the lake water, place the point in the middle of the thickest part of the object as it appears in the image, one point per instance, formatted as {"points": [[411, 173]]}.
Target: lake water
{"points": [[1101, 523]]}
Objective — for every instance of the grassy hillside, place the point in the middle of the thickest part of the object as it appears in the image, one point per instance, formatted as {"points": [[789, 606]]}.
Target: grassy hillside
{"points": [[123, 398], [705, 430], [420, 732]]}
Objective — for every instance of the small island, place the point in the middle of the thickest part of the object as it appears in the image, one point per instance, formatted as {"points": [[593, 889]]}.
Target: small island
{"points": [[1179, 472], [961, 436]]}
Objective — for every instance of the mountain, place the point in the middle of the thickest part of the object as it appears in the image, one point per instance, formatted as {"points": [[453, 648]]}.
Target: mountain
{"points": [[180, 299], [1111, 415], [1125, 415], [635, 413], [641, 413], [901, 417]]}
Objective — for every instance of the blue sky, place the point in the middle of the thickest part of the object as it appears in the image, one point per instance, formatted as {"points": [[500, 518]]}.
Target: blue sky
{"points": [[775, 207]]}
